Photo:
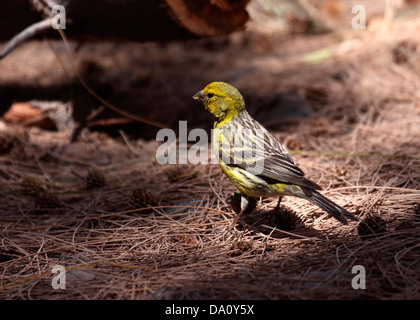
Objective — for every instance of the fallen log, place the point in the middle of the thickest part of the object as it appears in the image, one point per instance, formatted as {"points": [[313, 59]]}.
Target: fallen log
{"points": [[134, 20]]}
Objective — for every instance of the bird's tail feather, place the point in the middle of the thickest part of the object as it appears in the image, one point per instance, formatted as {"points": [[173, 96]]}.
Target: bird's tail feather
{"points": [[328, 206]]}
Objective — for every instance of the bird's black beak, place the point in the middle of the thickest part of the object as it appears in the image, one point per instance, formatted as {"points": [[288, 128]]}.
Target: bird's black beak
{"points": [[199, 96]]}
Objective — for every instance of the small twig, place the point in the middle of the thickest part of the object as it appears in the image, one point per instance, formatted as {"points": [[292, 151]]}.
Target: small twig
{"points": [[127, 142], [25, 35]]}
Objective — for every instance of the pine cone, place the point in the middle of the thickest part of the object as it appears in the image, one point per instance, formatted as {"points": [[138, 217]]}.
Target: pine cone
{"points": [[32, 185], [284, 219], [405, 225], [20, 140], [45, 202], [370, 226], [141, 198], [95, 179], [19, 151], [6, 144]]}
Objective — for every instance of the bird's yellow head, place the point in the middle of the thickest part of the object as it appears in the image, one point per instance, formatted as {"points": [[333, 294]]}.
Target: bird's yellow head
{"points": [[222, 100]]}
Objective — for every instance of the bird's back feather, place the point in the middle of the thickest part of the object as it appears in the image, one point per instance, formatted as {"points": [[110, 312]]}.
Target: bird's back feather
{"points": [[245, 143]]}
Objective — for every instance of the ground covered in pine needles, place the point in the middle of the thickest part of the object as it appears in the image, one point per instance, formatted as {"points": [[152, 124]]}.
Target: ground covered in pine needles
{"points": [[125, 227]]}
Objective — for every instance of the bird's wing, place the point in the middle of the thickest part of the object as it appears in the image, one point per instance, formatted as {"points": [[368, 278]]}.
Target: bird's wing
{"points": [[280, 167], [257, 151]]}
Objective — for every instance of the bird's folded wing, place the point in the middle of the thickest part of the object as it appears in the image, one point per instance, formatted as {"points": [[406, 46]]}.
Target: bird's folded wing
{"points": [[266, 158]]}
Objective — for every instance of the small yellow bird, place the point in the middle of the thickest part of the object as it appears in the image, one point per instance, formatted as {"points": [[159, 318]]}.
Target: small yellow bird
{"points": [[253, 160]]}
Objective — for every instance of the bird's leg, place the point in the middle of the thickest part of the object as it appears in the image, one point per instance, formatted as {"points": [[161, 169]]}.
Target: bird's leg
{"points": [[244, 205], [278, 204]]}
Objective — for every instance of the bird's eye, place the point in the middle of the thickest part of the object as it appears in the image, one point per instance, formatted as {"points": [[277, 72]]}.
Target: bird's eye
{"points": [[210, 95]]}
